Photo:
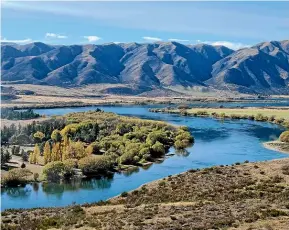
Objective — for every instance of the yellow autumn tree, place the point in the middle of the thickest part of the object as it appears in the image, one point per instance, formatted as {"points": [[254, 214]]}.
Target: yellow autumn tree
{"points": [[31, 157], [56, 152], [92, 149], [47, 153], [35, 155], [80, 150]]}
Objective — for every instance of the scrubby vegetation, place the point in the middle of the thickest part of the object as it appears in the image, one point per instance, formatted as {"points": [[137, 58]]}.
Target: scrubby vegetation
{"points": [[274, 115], [15, 177], [227, 197], [12, 114], [96, 141], [284, 137]]}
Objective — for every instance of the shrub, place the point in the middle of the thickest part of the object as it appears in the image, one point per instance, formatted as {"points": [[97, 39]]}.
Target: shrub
{"points": [[15, 177], [5, 156], [57, 170], [285, 169], [38, 137], [56, 136], [158, 149], [24, 155], [284, 137], [93, 148], [183, 107], [95, 165], [35, 176], [260, 117], [124, 194], [202, 113], [183, 140]]}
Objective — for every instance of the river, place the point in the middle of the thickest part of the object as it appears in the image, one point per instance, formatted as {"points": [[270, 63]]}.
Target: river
{"points": [[216, 142]]}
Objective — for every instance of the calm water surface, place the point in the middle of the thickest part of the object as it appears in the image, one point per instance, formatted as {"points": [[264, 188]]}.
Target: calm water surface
{"points": [[216, 142]]}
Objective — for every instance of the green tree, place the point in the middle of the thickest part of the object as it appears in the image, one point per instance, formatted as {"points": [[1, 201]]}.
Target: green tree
{"points": [[38, 137], [17, 150], [24, 155], [5, 156], [56, 136]]}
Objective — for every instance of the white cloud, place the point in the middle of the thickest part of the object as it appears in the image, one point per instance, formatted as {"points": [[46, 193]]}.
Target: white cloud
{"points": [[231, 45], [92, 38], [152, 39], [178, 40], [21, 41], [221, 20], [53, 35]]}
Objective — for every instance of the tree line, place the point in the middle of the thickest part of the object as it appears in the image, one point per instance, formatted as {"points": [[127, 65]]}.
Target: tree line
{"points": [[11, 114]]}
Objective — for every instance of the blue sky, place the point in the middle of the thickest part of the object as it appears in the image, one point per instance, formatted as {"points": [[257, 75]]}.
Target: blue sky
{"points": [[235, 24]]}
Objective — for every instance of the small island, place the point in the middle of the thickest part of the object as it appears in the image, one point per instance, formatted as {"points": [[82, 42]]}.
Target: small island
{"points": [[87, 144]]}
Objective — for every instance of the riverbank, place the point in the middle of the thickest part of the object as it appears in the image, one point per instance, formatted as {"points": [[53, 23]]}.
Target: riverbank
{"points": [[240, 196], [277, 146], [274, 115]]}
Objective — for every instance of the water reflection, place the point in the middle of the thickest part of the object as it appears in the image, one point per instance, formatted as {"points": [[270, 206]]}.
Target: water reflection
{"points": [[35, 187], [77, 184], [182, 152], [263, 132], [130, 171], [18, 192]]}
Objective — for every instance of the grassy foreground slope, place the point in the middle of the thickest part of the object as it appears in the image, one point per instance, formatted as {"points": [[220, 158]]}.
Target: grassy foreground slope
{"points": [[246, 196]]}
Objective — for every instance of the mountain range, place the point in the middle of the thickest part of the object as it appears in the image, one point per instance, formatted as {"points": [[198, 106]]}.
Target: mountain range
{"points": [[260, 69]]}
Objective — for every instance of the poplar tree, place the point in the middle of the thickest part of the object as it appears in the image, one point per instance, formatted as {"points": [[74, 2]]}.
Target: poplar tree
{"points": [[36, 154], [47, 153]]}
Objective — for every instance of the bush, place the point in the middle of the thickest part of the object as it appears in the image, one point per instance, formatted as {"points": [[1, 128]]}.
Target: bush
{"points": [[158, 149], [15, 177], [5, 156], [260, 117], [285, 169], [93, 148], [35, 176], [124, 194], [57, 170], [284, 137], [95, 165], [183, 140]]}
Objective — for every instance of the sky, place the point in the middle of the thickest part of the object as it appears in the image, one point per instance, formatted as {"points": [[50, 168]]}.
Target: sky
{"points": [[234, 24]]}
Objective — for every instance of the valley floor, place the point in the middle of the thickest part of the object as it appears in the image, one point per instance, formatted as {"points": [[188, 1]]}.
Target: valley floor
{"points": [[53, 96], [240, 196]]}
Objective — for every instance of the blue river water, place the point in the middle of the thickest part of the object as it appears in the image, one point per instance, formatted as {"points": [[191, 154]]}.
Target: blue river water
{"points": [[216, 142]]}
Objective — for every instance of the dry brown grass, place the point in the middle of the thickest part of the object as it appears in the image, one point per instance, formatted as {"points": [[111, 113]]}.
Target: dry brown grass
{"points": [[277, 112], [246, 196]]}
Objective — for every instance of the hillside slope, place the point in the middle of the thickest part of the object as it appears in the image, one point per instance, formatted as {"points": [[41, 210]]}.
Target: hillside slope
{"points": [[246, 196], [263, 68]]}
